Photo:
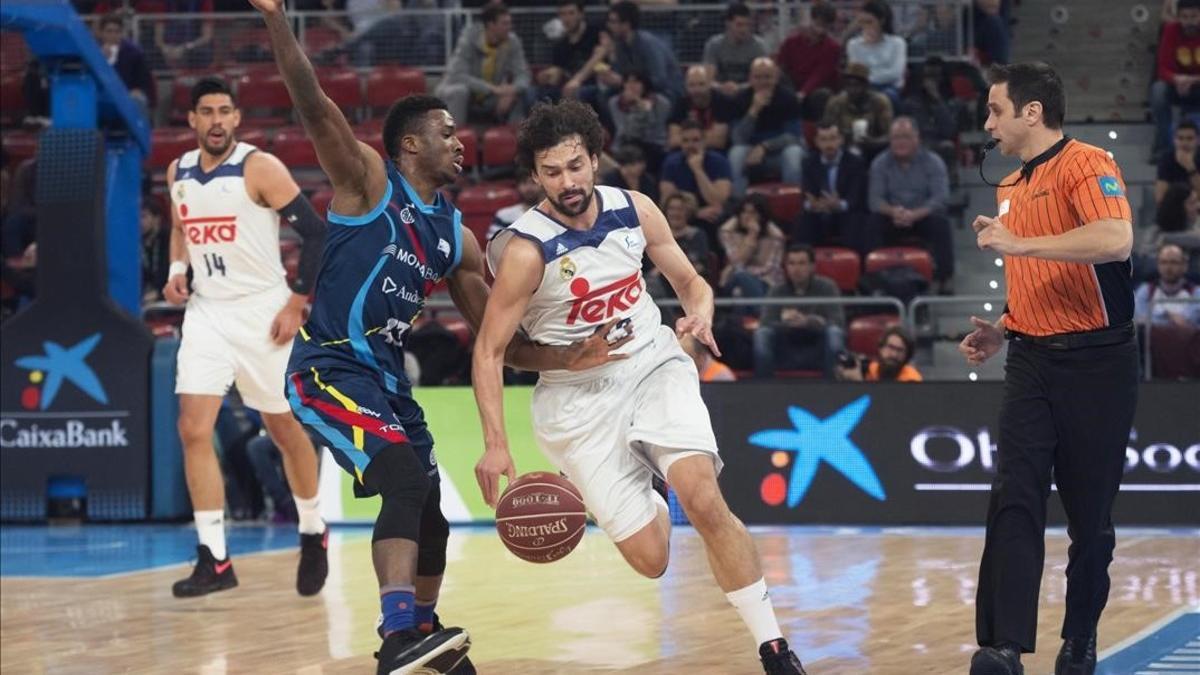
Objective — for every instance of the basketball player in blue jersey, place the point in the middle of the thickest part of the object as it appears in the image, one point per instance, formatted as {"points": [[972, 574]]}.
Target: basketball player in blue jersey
{"points": [[570, 264], [391, 238]]}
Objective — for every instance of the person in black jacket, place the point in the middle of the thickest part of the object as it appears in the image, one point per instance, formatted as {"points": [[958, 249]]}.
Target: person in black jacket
{"points": [[835, 192], [127, 59]]}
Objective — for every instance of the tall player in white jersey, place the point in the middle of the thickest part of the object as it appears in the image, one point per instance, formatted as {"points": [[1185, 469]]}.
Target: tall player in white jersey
{"points": [[570, 265], [226, 201]]}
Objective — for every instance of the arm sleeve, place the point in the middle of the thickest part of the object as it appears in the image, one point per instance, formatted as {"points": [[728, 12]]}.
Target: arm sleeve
{"points": [[1095, 189], [301, 217]]}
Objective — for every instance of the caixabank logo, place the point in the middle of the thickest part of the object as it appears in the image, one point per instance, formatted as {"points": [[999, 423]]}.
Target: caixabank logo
{"points": [[40, 424], [809, 444]]}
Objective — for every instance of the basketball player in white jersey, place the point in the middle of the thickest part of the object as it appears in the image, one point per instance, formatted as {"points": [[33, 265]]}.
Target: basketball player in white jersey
{"points": [[567, 266], [226, 202]]}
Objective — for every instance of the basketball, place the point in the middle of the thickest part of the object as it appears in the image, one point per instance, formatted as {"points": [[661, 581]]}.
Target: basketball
{"points": [[541, 517]]}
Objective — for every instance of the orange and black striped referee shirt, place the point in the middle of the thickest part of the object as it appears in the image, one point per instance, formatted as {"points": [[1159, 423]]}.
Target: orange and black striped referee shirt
{"points": [[1069, 185]]}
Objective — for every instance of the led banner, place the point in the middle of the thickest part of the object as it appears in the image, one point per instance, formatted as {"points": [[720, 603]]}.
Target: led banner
{"points": [[837, 453], [922, 453]]}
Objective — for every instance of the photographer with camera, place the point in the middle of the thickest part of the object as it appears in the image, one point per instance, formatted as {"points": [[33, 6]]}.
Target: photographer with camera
{"points": [[891, 364]]}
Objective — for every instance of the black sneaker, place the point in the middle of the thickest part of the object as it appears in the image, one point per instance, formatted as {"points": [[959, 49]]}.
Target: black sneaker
{"points": [[209, 576], [314, 563], [464, 667], [997, 661], [411, 652], [777, 659], [1077, 656]]}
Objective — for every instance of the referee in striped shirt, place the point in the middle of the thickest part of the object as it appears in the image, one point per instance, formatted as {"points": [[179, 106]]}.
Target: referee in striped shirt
{"points": [[1064, 227]]}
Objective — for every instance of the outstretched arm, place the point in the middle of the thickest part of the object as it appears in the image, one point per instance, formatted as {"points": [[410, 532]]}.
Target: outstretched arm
{"points": [[517, 278], [355, 169], [469, 290]]}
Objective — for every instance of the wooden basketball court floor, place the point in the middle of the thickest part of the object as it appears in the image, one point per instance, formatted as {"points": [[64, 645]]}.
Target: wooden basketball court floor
{"points": [[96, 599]]}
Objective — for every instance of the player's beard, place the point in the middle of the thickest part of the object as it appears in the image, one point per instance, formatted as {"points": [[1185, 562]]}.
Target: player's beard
{"points": [[561, 206], [217, 150]]}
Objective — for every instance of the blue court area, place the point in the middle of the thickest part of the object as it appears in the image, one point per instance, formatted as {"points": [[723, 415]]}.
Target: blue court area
{"points": [[1173, 647], [102, 550]]}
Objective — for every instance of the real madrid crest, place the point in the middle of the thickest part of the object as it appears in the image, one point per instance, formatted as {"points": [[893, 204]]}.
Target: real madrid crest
{"points": [[566, 268], [406, 216], [179, 192]]}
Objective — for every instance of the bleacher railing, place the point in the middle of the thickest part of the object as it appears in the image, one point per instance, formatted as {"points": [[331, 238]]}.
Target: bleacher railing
{"points": [[908, 316], [424, 35]]}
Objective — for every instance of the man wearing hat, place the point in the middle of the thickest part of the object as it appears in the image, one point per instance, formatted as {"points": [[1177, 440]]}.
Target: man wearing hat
{"points": [[863, 115]]}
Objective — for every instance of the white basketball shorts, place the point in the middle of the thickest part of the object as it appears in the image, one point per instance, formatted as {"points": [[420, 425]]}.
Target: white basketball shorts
{"points": [[229, 341], [610, 433]]}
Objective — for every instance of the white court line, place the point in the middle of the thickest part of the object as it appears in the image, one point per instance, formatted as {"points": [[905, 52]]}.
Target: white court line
{"points": [[1142, 634]]}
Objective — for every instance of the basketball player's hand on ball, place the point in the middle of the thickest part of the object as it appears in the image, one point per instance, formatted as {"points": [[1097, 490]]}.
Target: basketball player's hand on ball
{"points": [[496, 461], [267, 6], [176, 290], [990, 233], [982, 343], [597, 350], [698, 328]]}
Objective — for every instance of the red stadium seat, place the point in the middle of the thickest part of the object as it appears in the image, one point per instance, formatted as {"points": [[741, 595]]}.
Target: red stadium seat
{"points": [[908, 256], [499, 147], [862, 336], [19, 146], [344, 88], [470, 142], [292, 147], [254, 136], [321, 199], [373, 139], [479, 204], [320, 38], [167, 144], [264, 99], [487, 198], [786, 201], [840, 264], [14, 52], [388, 83], [12, 98]]}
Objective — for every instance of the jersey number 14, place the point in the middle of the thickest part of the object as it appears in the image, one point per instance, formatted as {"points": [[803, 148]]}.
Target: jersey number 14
{"points": [[214, 263]]}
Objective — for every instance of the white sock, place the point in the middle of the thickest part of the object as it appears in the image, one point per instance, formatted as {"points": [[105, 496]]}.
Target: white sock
{"points": [[753, 603], [310, 515], [210, 527]]}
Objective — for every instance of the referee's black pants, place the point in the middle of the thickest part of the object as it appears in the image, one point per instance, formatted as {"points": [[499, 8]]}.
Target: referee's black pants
{"points": [[1065, 413]]}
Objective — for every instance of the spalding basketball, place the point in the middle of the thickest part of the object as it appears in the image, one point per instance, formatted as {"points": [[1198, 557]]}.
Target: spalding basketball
{"points": [[541, 517]]}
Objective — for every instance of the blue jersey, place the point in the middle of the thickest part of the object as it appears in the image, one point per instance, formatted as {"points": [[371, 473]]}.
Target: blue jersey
{"points": [[376, 271]]}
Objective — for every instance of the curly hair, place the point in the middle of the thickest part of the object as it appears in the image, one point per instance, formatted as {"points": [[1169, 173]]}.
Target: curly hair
{"points": [[549, 124]]}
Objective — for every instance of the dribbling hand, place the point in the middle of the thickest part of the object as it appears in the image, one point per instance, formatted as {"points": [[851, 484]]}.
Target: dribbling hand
{"points": [[699, 329], [489, 468], [982, 343], [176, 290]]}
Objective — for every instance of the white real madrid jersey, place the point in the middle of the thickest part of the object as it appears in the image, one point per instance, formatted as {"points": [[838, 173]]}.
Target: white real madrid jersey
{"points": [[591, 276], [232, 242]]}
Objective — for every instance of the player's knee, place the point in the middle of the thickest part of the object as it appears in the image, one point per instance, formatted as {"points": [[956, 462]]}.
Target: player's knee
{"points": [[435, 533], [651, 564], [431, 557], [399, 478], [194, 434], [704, 506]]}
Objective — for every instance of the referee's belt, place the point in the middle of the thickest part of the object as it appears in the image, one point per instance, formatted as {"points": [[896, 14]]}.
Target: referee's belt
{"points": [[1100, 337]]}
